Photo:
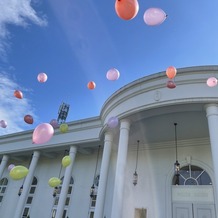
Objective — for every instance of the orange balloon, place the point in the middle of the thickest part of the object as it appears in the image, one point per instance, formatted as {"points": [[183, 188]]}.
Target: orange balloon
{"points": [[18, 94], [171, 72], [126, 9], [91, 85], [28, 119]]}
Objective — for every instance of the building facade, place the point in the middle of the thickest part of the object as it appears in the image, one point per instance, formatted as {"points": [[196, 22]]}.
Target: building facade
{"points": [[145, 141]]}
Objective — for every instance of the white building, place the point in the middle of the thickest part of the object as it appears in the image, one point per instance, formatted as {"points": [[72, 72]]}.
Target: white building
{"points": [[145, 140]]}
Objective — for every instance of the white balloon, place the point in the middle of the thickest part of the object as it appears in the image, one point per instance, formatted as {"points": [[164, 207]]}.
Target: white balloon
{"points": [[154, 16], [113, 74]]}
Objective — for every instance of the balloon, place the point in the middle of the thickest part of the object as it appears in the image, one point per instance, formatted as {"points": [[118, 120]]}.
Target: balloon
{"points": [[42, 133], [3, 124], [54, 123], [112, 122], [171, 84], [66, 161], [126, 9], [212, 81], [91, 85], [18, 94], [18, 172], [113, 74], [154, 16], [42, 77], [63, 128], [171, 72], [10, 167], [54, 181], [28, 119]]}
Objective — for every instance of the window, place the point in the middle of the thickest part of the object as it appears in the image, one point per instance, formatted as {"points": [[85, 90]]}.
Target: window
{"points": [[93, 200], [3, 186], [26, 211], [92, 214], [192, 175], [56, 195], [93, 196]]}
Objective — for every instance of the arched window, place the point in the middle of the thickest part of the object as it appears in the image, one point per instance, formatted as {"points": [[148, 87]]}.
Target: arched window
{"points": [[56, 195], [192, 175], [26, 211], [3, 186]]}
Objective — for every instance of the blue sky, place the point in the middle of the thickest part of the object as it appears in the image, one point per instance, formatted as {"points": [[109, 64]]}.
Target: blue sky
{"points": [[75, 42]]}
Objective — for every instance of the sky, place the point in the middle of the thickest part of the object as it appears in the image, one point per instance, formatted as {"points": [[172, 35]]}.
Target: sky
{"points": [[75, 42]]}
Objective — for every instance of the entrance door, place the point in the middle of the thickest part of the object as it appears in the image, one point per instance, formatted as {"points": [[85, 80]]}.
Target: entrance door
{"points": [[204, 210], [189, 210]]}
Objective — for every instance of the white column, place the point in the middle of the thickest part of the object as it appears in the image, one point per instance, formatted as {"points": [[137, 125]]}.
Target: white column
{"points": [[26, 185], [117, 203], [3, 164], [103, 175], [66, 182], [212, 117]]}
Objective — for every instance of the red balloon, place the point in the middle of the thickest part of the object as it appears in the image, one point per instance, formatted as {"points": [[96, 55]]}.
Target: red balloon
{"points": [[126, 9], [91, 85], [54, 123], [171, 84], [171, 72], [28, 119], [18, 94]]}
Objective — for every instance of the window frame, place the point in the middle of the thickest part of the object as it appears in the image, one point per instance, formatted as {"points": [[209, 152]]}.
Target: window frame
{"points": [[3, 185]]}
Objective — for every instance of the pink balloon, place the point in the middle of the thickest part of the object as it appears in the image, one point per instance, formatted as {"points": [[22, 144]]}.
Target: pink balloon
{"points": [[3, 124], [212, 81], [112, 122], [42, 77], [42, 133], [154, 16], [113, 74]]}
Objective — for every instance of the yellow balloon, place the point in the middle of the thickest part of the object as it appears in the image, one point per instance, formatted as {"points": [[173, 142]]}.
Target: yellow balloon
{"points": [[66, 161], [63, 128], [54, 181], [18, 172]]}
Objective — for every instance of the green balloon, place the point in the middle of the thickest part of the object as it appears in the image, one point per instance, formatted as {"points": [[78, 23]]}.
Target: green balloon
{"points": [[54, 181], [63, 128], [66, 161], [18, 172]]}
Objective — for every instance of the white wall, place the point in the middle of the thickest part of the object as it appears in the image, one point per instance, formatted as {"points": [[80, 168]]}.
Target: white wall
{"points": [[154, 167]]}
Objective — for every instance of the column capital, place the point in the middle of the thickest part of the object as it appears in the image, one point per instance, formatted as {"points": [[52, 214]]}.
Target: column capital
{"points": [[36, 154], [73, 149], [125, 123], [108, 136], [211, 109], [5, 157]]}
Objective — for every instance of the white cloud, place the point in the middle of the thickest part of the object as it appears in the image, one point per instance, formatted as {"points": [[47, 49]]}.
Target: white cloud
{"points": [[16, 12], [12, 109]]}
